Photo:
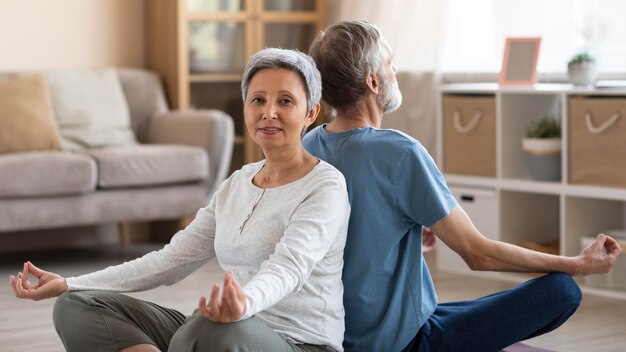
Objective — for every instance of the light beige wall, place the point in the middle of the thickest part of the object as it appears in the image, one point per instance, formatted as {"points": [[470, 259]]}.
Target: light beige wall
{"points": [[42, 34]]}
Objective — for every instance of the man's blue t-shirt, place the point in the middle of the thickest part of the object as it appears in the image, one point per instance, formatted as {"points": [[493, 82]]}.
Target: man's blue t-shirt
{"points": [[394, 188]]}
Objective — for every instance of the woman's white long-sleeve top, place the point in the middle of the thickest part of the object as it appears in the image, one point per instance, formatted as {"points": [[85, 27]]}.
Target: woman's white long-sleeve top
{"points": [[284, 245]]}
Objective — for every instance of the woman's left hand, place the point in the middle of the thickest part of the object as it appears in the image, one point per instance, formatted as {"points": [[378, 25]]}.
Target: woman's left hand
{"points": [[429, 241], [232, 305]]}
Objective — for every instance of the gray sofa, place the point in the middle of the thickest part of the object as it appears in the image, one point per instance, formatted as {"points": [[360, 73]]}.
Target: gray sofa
{"points": [[180, 160]]}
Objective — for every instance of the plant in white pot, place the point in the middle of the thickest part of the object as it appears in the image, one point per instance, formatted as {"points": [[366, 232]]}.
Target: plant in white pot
{"points": [[543, 149], [581, 69]]}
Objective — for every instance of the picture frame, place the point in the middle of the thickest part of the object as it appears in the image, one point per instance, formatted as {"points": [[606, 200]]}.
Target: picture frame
{"points": [[519, 62]]}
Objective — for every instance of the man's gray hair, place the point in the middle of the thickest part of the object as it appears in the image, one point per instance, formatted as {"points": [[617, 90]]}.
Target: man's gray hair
{"points": [[293, 60], [346, 53]]}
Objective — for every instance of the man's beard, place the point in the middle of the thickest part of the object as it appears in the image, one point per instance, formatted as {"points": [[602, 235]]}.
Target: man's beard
{"points": [[390, 97]]}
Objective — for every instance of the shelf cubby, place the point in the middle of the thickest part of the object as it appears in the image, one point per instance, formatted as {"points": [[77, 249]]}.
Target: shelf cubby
{"points": [[529, 218], [588, 217], [517, 112]]}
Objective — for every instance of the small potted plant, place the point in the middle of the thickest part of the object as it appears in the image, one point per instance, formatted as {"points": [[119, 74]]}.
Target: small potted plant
{"points": [[581, 69], [543, 149]]}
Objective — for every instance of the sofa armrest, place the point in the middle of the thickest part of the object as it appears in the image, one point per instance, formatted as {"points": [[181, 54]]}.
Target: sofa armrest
{"points": [[212, 130]]}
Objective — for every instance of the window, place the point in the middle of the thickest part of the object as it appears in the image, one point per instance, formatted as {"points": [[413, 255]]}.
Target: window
{"points": [[475, 31]]}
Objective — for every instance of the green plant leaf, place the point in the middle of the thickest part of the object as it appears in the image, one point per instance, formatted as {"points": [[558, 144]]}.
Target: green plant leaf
{"points": [[582, 57], [547, 127]]}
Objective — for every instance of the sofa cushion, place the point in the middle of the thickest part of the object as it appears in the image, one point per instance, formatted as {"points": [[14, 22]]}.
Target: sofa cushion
{"points": [[46, 174], [147, 165], [26, 119], [90, 108], [144, 96]]}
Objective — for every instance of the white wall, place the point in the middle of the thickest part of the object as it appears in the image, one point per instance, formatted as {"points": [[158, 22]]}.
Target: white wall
{"points": [[42, 34]]}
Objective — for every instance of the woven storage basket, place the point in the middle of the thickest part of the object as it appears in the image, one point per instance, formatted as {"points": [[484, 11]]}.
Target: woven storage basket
{"points": [[469, 135], [597, 141]]}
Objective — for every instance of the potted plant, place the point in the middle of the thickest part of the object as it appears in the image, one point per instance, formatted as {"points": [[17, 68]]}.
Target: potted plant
{"points": [[581, 69], [543, 149]]}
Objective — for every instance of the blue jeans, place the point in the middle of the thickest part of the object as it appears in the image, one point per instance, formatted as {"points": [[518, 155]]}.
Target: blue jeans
{"points": [[497, 321]]}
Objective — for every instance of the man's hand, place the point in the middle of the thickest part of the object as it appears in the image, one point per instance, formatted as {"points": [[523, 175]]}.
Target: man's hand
{"points": [[429, 241], [232, 305], [48, 284], [600, 256]]}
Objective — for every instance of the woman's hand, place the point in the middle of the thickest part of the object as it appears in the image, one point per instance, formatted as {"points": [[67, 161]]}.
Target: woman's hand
{"points": [[48, 284], [429, 241], [230, 308], [600, 256]]}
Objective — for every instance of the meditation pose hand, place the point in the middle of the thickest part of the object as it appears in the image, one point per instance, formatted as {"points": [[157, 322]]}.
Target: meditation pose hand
{"points": [[232, 305], [600, 256], [48, 284]]}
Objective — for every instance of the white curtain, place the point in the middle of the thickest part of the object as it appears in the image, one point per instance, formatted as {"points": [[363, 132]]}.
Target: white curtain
{"points": [[413, 28]]}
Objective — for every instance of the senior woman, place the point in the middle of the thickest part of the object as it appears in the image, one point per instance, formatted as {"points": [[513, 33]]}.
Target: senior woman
{"points": [[278, 227]]}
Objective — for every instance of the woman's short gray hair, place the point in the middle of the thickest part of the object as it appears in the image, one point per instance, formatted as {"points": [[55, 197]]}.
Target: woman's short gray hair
{"points": [[293, 60]]}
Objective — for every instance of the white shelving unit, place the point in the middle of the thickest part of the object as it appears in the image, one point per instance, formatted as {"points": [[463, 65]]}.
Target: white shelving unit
{"points": [[523, 209]]}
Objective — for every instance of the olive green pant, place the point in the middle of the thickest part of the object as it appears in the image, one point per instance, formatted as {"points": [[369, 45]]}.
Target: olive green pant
{"points": [[104, 321]]}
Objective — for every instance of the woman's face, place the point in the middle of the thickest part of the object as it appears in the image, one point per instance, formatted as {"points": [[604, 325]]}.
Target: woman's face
{"points": [[275, 109]]}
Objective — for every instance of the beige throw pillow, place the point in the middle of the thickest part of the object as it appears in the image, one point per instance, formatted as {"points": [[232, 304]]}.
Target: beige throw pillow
{"points": [[90, 108], [26, 119]]}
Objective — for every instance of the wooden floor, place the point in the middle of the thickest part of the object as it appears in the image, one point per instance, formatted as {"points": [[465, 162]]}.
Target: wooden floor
{"points": [[599, 324]]}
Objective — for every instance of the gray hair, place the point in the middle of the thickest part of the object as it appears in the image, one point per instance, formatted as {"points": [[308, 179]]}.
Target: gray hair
{"points": [[293, 60], [346, 53]]}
